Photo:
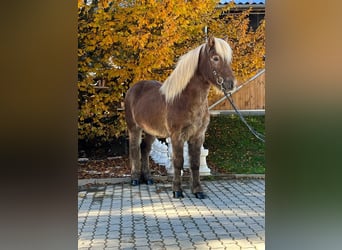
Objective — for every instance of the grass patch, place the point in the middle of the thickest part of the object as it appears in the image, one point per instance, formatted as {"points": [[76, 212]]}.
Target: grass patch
{"points": [[233, 147]]}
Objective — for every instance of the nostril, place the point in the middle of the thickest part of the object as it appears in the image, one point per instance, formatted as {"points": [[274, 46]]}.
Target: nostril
{"points": [[231, 84]]}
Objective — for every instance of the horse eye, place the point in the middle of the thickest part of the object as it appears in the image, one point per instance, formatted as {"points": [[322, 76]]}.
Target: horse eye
{"points": [[216, 58]]}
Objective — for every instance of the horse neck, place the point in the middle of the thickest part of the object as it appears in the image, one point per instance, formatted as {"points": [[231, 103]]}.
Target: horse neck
{"points": [[197, 90], [199, 84]]}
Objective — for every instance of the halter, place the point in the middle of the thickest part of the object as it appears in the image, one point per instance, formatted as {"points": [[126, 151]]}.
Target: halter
{"points": [[219, 80]]}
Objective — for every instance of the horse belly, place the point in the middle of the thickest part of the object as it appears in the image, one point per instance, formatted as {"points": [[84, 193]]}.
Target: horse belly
{"points": [[150, 113], [157, 132], [153, 125]]}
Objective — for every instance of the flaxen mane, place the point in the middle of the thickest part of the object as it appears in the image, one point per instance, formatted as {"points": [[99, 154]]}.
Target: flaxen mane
{"points": [[186, 67]]}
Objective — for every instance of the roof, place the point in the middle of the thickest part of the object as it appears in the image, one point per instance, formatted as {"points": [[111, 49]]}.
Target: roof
{"points": [[248, 2]]}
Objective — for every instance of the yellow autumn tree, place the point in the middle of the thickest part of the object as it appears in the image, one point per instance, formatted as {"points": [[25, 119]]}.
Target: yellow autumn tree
{"points": [[122, 42], [151, 34], [99, 93]]}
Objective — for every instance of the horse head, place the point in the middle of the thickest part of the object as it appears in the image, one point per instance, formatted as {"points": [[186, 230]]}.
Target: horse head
{"points": [[219, 57]]}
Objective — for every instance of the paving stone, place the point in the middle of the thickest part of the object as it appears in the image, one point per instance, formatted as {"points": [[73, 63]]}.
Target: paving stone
{"points": [[143, 248], [176, 222], [98, 243], [113, 234], [205, 228], [114, 227], [185, 244], [201, 246], [112, 244], [214, 244], [124, 217], [179, 229], [127, 231], [157, 244], [100, 230], [97, 247], [86, 235], [261, 235], [167, 233], [154, 237], [197, 239], [170, 241], [259, 246], [182, 237], [231, 246], [244, 244], [84, 243], [126, 245], [194, 232], [190, 225], [141, 242]]}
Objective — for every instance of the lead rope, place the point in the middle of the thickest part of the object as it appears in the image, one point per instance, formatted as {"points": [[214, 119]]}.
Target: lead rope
{"points": [[261, 137]]}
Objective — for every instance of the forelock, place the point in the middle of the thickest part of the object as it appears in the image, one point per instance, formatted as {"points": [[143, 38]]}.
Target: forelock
{"points": [[223, 49]]}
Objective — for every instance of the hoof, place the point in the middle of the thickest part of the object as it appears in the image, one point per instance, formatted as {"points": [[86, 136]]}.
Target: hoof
{"points": [[199, 195], [178, 194], [149, 182], [135, 183]]}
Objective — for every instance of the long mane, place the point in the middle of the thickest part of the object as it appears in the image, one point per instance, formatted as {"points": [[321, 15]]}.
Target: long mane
{"points": [[186, 68], [181, 75]]}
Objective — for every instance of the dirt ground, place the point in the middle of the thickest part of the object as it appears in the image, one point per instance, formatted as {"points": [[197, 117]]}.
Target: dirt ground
{"points": [[114, 167]]}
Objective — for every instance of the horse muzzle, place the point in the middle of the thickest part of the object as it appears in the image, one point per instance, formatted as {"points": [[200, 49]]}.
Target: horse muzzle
{"points": [[228, 84]]}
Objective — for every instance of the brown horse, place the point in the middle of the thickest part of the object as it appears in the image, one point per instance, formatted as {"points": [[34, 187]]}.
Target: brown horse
{"points": [[178, 109]]}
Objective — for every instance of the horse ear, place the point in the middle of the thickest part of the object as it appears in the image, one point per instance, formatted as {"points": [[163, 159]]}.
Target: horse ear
{"points": [[211, 41], [225, 38]]}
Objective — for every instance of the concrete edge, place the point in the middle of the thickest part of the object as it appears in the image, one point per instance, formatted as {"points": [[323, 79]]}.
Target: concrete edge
{"points": [[83, 182], [103, 181], [248, 112], [253, 176]]}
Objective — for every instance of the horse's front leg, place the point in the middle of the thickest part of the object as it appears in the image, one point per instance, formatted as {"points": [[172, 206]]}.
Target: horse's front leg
{"points": [[178, 161], [195, 154]]}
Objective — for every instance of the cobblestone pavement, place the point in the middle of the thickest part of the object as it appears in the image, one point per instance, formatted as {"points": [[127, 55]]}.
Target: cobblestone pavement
{"points": [[120, 216]]}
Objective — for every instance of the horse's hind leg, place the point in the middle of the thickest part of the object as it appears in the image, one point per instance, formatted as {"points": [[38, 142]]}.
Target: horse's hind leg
{"points": [[195, 154], [135, 155], [145, 152]]}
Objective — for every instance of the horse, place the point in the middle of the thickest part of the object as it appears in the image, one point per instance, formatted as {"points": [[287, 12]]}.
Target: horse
{"points": [[177, 108]]}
